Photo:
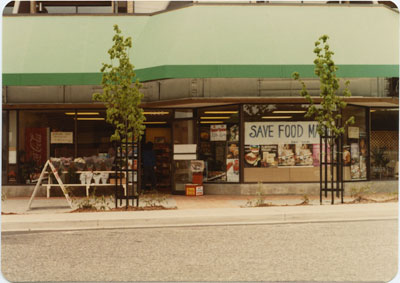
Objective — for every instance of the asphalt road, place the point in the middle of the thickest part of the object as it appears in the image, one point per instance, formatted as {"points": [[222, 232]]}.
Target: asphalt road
{"points": [[345, 251]]}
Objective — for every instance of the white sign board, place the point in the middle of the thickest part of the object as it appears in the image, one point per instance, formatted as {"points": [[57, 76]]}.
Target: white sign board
{"points": [[218, 132], [61, 137], [184, 156], [262, 133], [354, 132], [185, 148]]}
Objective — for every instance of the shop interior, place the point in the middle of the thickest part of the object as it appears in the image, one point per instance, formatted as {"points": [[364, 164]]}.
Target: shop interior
{"points": [[370, 149]]}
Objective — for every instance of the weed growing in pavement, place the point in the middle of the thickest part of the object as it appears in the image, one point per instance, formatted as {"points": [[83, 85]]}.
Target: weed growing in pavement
{"points": [[305, 199], [360, 193], [259, 200], [153, 199], [92, 202]]}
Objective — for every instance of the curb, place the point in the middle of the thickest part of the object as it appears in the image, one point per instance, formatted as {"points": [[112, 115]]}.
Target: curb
{"points": [[199, 217]]}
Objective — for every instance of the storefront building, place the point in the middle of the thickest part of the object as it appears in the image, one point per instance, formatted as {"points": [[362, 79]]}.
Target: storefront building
{"points": [[218, 76]]}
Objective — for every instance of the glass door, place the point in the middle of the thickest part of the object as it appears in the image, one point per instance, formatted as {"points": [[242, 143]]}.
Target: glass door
{"points": [[183, 140]]}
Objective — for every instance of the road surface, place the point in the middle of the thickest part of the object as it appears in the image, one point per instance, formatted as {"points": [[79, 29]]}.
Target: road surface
{"points": [[335, 251]]}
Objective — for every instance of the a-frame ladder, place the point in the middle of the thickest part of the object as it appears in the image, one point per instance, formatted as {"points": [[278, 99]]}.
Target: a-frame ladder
{"points": [[55, 173]]}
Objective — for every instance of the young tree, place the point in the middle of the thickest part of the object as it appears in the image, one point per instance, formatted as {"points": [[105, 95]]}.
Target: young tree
{"points": [[327, 113], [120, 96]]}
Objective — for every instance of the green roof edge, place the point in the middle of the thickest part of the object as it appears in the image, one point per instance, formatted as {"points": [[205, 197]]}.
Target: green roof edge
{"points": [[199, 71]]}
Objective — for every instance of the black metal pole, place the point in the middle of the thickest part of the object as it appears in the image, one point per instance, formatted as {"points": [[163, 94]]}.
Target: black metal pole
{"points": [[331, 145], [116, 173], [326, 164], [139, 169], [320, 170], [126, 164]]}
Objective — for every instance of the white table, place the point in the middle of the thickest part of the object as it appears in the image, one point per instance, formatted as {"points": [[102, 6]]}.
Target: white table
{"points": [[87, 185]]}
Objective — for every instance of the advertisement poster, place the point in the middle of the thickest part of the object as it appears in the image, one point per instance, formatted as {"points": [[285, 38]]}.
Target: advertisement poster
{"points": [[363, 167], [232, 170], [286, 155], [363, 147], [269, 155], [218, 132], [234, 133], [36, 145], [252, 156], [304, 154], [233, 151], [316, 152], [346, 155], [355, 171]]}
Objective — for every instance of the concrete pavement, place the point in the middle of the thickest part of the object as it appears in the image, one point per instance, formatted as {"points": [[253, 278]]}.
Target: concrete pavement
{"points": [[52, 214]]}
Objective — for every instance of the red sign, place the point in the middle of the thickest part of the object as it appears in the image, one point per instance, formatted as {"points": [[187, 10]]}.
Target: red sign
{"points": [[36, 145]]}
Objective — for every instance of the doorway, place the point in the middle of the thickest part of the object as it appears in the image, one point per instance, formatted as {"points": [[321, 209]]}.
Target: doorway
{"points": [[161, 139]]}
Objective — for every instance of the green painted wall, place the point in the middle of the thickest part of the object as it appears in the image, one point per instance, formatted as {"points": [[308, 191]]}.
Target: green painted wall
{"points": [[203, 41]]}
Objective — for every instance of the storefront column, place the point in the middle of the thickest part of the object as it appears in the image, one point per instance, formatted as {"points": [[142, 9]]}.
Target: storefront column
{"points": [[241, 144]]}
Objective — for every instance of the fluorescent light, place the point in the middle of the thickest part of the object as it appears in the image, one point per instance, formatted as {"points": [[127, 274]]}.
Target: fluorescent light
{"points": [[154, 123], [90, 118], [372, 110], [211, 122], [276, 117], [221, 112], [288, 111], [215, 118], [155, 112], [82, 113]]}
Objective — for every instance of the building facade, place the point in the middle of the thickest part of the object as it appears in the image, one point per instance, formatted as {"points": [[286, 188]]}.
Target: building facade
{"points": [[215, 75]]}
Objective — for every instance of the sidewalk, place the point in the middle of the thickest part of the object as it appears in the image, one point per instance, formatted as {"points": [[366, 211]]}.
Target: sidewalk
{"points": [[52, 214]]}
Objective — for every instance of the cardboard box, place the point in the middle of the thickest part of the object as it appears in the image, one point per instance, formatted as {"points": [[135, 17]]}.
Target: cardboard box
{"points": [[197, 178], [194, 190]]}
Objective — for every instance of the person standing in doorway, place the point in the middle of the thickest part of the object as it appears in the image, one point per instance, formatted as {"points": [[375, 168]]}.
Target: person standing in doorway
{"points": [[149, 166]]}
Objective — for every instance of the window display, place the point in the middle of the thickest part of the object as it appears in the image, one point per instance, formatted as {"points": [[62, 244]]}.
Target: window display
{"points": [[219, 143], [355, 148]]}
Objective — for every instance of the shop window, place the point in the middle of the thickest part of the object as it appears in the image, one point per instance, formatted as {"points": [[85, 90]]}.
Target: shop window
{"points": [[93, 133], [355, 144], [4, 148], [41, 135], [280, 144], [384, 143], [219, 143]]}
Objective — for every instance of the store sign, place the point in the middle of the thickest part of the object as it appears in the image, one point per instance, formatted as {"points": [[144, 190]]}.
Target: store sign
{"points": [[218, 133], [61, 137], [262, 133]]}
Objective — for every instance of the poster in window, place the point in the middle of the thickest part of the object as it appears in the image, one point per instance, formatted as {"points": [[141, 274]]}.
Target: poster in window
{"points": [[346, 155], [353, 132], [363, 147], [286, 155], [218, 132], [234, 133], [269, 155], [233, 151], [252, 155], [355, 171], [304, 155], [36, 145], [61, 137], [316, 153], [232, 170], [205, 134]]}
